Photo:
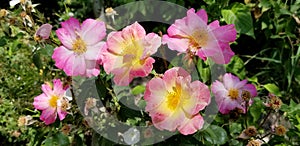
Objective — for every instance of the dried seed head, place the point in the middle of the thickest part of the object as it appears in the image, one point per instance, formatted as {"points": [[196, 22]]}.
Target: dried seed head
{"points": [[251, 131], [246, 95], [254, 143], [280, 130]]}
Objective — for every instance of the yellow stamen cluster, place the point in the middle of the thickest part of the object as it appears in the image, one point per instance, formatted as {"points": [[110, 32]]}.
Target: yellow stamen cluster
{"points": [[173, 98], [53, 101], [198, 39], [79, 46], [233, 93]]}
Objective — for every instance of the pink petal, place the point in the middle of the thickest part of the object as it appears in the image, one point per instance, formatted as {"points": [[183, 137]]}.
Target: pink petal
{"points": [[135, 31], [115, 42], [71, 26], [41, 102], [47, 90], [65, 38], [203, 15], [61, 114], [192, 125], [251, 88], [69, 65], [122, 76], [171, 123], [44, 31], [224, 56], [179, 29], [58, 87], [95, 52], [155, 90], [92, 31], [48, 116], [92, 68], [151, 43], [226, 33], [144, 70], [61, 56], [214, 25], [78, 66], [178, 44], [230, 80], [194, 22]]}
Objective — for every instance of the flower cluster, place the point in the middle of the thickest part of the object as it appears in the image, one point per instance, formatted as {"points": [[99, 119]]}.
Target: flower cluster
{"points": [[173, 100]]}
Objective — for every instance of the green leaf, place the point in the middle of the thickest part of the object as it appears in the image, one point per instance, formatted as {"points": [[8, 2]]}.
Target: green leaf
{"points": [[235, 128], [272, 88], [77, 141], [236, 66], [138, 89], [37, 60], [215, 135], [256, 109], [49, 141], [240, 16], [61, 139]]}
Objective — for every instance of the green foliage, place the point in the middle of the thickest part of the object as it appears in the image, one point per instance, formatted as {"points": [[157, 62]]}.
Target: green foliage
{"points": [[240, 16]]}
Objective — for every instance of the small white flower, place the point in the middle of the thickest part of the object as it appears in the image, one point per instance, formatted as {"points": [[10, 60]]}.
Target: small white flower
{"points": [[131, 136]]}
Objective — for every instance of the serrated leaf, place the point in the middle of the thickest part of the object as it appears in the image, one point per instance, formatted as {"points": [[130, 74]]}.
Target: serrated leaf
{"points": [[272, 88], [240, 16]]}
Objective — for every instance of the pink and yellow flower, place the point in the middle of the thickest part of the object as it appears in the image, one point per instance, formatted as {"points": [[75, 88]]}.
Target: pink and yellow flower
{"points": [[229, 94], [82, 47], [174, 102], [128, 53], [52, 102], [191, 34]]}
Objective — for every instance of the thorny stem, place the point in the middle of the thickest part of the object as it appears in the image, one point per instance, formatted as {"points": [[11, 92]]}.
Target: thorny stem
{"points": [[246, 115], [265, 119]]}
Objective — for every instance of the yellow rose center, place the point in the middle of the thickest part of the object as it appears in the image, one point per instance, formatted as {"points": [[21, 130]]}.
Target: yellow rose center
{"points": [[173, 98], [132, 52], [198, 39], [53, 101], [79, 46], [233, 93]]}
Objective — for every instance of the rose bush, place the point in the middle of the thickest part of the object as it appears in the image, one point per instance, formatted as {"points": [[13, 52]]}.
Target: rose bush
{"points": [[254, 99]]}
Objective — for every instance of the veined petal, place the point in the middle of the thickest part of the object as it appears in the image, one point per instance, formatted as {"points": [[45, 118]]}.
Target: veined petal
{"points": [[61, 114], [79, 66], [47, 90], [203, 15], [192, 125], [172, 122], [178, 44], [154, 93], [226, 33], [41, 102], [151, 43], [95, 52], [92, 31], [61, 56], [48, 116], [229, 80], [251, 88], [58, 87]]}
